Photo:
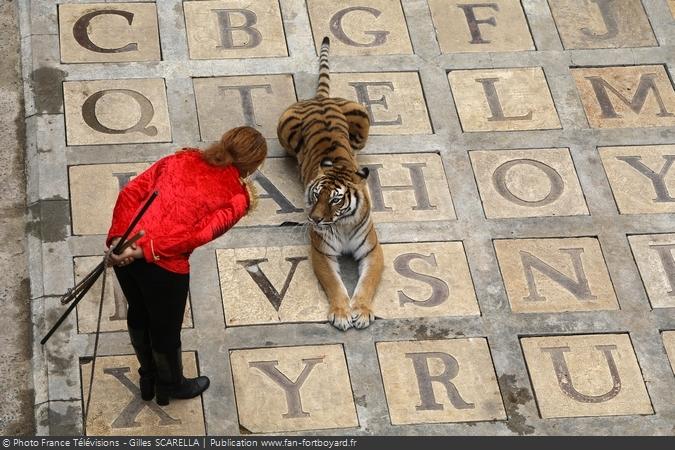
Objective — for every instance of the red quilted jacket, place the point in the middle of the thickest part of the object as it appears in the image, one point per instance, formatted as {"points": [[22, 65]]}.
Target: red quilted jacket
{"points": [[197, 202]]}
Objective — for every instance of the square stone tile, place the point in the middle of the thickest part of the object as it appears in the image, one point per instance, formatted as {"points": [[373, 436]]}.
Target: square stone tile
{"points": [[655, 258], [375, 27], [555, 275], [669, 343], [642, 177], [425, 279], [528, 183], [585, 375], [234, 29], [270, 285], [503, 99], [289, 389], [280, 194], [264, 285], [118, 410], [394, 100], [114, 316], [626, 97], [93, 193], [408, 187], [104, 32], [439, 381], [498, 26], [228, 102], [602, 23], [116, 111]]}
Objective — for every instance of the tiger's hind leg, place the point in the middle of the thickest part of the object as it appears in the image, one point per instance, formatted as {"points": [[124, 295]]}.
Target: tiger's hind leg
{"points": [[327, 271], [358, 121], [289, 131], [371, 267]]}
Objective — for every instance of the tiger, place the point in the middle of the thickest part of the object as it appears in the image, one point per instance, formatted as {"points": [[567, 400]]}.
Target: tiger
{"points": [[323, 133]]}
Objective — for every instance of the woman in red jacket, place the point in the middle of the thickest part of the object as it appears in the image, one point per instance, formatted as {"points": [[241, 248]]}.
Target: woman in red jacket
{"points": [[201, 196]]}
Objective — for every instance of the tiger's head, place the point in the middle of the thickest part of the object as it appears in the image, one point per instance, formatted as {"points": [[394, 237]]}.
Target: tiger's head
{"points": [[336, 195]]}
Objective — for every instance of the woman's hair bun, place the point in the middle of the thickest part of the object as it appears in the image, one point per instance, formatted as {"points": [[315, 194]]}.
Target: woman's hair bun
{"points": [[244, 147]]}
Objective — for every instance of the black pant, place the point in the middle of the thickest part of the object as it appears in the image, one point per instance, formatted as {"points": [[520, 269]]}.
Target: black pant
{"points": [[156, 299]]}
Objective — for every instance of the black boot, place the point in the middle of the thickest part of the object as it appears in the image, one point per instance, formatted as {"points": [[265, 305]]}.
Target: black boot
{"points": [[170, 380], [140, 340]]}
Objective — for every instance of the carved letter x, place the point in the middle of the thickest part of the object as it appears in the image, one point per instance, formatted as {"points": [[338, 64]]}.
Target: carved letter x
{"points": [[127, 418]]}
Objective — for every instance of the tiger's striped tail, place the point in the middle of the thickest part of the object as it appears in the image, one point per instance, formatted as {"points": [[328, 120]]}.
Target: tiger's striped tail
{"points": [[323, 90]]}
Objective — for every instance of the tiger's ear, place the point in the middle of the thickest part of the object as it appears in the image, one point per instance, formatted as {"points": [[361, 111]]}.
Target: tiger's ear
{"points": [[363, 173], [326, 162]]}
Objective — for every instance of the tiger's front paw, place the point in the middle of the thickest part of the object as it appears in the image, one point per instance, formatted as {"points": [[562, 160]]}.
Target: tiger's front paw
{"points": [[362, 316], [340, 318]]}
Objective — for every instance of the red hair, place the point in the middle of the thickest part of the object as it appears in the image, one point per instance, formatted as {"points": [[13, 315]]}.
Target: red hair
{"points": [[243, 147]]}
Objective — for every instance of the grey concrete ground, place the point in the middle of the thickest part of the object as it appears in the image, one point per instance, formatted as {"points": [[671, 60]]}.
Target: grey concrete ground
{"points": [[16, 379], [62, 199]]}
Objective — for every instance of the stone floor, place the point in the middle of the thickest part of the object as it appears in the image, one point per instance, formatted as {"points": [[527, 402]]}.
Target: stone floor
{"points": [[521, 161]]}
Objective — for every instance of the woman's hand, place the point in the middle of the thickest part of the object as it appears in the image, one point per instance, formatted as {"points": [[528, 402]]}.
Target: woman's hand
{"points": [[126, 257]]}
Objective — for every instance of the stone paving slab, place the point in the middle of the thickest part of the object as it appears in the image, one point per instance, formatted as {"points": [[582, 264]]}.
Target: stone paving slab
{"points": [[656, 262], [256, 101], [288, 388], [351, 24], [602, 24], [100, 112], [616, 97], [426, 279], [522, 190], [118, 410], [499, 26], [555, 275], [408, 187], [528, 183], [99, 32], [641, 177], [230, 29], [93, 190], [569, 374], [394, 100], [466, 389], [269, 285], [503, 99]]}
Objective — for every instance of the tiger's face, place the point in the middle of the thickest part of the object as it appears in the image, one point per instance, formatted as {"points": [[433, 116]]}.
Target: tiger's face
{"points": [[335, 196]]}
